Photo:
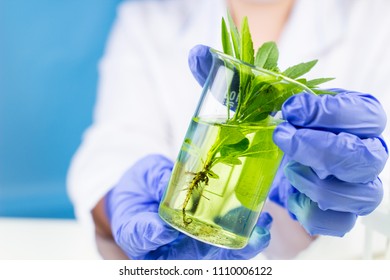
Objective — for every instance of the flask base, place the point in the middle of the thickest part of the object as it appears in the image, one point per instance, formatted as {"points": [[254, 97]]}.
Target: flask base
{"points": [[199, 230]]}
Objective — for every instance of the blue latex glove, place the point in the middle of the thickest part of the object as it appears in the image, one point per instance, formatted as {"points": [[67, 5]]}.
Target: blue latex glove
{"points": [[200, 61], [132, 207], [333, 155]]}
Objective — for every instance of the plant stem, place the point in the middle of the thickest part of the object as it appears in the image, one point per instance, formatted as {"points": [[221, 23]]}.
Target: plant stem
{"points": [[200, 177]]}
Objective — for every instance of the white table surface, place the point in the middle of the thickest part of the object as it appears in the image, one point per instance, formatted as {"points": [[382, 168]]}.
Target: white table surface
{"points": [[44, 239], [51, 239]]}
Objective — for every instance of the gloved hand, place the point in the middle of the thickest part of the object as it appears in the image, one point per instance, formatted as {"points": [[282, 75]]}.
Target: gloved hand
{"points": [[132, 207], [333, 155]]}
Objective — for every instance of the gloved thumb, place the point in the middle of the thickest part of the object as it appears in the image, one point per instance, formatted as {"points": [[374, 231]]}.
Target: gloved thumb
{"points": [[200, 61]]}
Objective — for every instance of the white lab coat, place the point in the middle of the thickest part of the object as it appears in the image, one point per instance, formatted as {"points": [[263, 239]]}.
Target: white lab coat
{"points": [[147, 95]]}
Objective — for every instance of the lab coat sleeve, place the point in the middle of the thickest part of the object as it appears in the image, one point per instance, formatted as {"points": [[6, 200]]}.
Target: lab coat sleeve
{"points": [[129, 119]]}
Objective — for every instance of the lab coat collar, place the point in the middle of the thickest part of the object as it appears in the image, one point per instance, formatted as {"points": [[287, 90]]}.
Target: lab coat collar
{"points": [[321, 25]]}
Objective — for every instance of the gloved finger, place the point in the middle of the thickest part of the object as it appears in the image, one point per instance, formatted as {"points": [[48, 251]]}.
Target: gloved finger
{"points": [[258, 241], [200, 61], [143, 233], [343, 155], [316, 221], [265, 221], [353, 112], [331, 193]]}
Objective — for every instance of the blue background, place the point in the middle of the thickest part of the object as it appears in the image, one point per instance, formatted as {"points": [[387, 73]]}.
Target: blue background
{"points": [[49, 52]]}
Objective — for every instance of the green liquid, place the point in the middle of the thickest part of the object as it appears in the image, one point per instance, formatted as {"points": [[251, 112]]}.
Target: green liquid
{"points": [[222, 209], [198, 229]]}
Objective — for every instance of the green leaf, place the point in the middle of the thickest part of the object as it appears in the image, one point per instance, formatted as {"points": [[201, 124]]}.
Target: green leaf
{"points": [[229, 135], [212, 174], [299, 69], [261, 104], [316, 82], [278, 102], [267, 56], [247, 52], [324, 91], [257, 85], [302, 81], [246, 78], [263, 149], [235, 149], [229, 160], [235, 37], [226, 43]]}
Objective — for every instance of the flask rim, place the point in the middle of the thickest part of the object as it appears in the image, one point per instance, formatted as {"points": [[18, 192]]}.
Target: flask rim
{"points": [[261, 70]]}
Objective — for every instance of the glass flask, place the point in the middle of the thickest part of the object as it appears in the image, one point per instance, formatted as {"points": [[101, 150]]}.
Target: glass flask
{"points": [[228, 160]]}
